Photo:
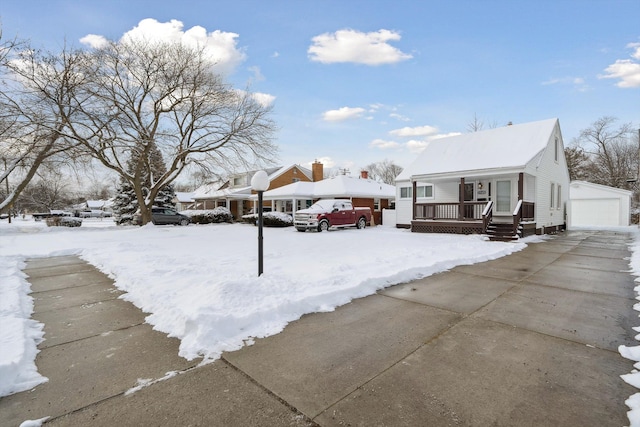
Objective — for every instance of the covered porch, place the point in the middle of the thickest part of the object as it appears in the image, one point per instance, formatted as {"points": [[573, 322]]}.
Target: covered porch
{"points": [[478, 210]]}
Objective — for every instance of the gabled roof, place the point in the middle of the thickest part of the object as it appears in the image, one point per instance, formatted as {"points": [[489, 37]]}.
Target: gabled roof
{"points": [[220, 191], [338, 186], [500, 148]]}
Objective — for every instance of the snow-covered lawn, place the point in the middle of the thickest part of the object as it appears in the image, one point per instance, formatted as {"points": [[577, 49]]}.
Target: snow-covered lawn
{"points": [[200, 282]]}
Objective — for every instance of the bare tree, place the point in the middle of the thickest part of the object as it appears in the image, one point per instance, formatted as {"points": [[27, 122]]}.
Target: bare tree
{"points": [[614, 158], [578, 163], [141, 95], [35, 93], [47, 192], [385, 171], [475, 125]]}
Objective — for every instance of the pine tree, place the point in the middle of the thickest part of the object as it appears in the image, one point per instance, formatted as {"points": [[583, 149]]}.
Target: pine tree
{"points": [[125, 203]]}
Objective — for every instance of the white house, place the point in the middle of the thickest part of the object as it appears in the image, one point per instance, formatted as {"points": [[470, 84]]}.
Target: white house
{"points": [[473, 183], [594, 205]]}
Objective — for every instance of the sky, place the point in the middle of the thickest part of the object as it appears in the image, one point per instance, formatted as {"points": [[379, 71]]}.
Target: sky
{"points": [[357, 82]]}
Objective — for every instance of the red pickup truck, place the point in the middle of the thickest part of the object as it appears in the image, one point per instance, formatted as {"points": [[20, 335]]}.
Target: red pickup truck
{"points": [[331, 213]]}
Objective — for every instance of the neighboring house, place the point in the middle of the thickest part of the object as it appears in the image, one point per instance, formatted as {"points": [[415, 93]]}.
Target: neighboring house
{"points": [[594, 205], [183, 200], [235, 194], [362, 191], [103, 205], [472, 183]]}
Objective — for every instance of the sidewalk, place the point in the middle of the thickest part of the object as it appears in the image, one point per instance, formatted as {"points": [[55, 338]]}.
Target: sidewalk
{"points": [[530, 339]]}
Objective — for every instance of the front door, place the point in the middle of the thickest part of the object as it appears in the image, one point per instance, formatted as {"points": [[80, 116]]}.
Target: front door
{"points": [[503, 197]]}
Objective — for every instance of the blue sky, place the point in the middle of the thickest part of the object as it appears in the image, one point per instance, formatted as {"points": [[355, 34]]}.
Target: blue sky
{"points": [[356, 82]]}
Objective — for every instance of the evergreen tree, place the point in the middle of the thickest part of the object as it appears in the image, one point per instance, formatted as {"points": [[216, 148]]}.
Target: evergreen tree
{"points": [[125, 202]]}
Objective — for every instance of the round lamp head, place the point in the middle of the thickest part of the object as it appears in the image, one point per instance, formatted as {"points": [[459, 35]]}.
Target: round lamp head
{"points": [[260, 181]]}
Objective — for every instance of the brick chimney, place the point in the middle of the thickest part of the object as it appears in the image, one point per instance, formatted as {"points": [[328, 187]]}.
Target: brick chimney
{"points": [[317, 171], [364, 174]]}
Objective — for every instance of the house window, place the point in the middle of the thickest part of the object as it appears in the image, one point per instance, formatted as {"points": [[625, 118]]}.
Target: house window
{"points": [[237, 181], [376, 204], [424, 191], [556, 150], [406, 192], [559, 203], [295, 180], [553, 195]]}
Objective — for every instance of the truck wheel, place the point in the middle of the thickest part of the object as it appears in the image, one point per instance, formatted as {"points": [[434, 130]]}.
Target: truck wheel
{"points": [[323, 226], [362, 222], [302, 230]]}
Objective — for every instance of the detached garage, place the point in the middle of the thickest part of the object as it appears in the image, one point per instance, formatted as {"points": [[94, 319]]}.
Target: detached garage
{"points": [[594, 205]]}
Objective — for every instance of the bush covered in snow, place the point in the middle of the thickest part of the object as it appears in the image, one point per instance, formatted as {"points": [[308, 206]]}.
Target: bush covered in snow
{"points": [[63, 221], [270, 219], [209, 216]]}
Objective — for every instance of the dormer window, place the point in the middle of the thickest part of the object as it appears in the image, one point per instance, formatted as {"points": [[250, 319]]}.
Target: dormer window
{"points": [[237, 181]]}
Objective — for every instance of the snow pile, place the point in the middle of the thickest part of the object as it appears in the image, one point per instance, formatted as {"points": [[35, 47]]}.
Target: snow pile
{"points": [[19, 334], [633, 353], [200, 283]]}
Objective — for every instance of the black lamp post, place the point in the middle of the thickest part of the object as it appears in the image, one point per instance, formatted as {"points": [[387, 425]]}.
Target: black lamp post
{"points": [[260, 183]]}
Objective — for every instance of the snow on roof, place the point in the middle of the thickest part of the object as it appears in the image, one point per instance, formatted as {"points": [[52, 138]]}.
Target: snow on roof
{"points": [[95, 204], [205, 190], [338, 186], [183, 197], [283, 169], [505, 147], [592, 185]]}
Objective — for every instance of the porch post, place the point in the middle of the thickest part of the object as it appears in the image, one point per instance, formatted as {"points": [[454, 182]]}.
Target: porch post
{"points": [[461, 200], [414, 198], [521, 186]]}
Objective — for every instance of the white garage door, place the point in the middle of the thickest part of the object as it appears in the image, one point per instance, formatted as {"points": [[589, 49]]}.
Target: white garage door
{"points": [[595, 212]]}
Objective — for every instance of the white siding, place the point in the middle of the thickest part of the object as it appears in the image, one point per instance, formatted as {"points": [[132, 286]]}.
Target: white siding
{"points": [[598, 205], [547, 170], [404, 207]]}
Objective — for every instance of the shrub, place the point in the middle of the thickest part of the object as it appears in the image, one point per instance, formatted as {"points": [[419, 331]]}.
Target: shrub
{"points": [[63, 221], [217, 215], [270, 219]]}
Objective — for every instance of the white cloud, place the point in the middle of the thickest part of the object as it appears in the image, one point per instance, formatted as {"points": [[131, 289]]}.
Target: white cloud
{"points": [[416, 146], [636, 53], [354, 46], [327, 162], [94, 41], [263, 99], [220, 46], [399, 117], [626, 70], [257, 74], [414, 131], [343, 113], [579, 83], [383, 144]]}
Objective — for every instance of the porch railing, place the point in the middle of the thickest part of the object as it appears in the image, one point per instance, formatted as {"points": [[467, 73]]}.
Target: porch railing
{"points": [[487, 216], [471, 211], [524, 211]]}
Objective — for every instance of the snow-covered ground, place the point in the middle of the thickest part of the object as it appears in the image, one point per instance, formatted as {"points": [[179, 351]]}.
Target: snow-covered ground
{"points": [[200, 282]]}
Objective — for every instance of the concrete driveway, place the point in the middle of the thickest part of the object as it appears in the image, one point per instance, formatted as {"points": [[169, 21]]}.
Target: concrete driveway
{"points": [[529, 339]]}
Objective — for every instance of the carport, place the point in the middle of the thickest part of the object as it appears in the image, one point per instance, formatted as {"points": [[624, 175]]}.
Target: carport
{"points": [[595, 205]]}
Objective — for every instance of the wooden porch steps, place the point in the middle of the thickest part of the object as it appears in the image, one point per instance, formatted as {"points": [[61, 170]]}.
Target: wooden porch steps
{"points": [[501, 232]]}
